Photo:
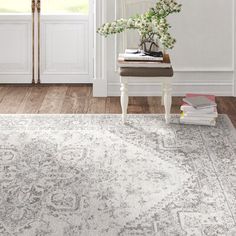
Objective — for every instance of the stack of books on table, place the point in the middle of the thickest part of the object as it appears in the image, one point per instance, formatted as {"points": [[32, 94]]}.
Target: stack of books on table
{"points": [[135, 58], [138, 55], [199, 109]]}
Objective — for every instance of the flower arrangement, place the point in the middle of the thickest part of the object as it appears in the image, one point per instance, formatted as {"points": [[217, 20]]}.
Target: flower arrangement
{"points": [[152, 26]]}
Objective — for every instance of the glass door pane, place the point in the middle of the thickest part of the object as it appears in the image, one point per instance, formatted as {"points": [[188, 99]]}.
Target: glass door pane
{"points": [[65, 6], [15, 6]]}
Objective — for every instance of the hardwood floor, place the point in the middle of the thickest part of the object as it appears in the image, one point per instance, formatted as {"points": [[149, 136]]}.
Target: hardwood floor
{"points": [[68, 99]]}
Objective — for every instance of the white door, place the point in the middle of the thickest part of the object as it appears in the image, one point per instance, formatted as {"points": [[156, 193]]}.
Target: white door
{"points": [[52, 45], [66, 41]]}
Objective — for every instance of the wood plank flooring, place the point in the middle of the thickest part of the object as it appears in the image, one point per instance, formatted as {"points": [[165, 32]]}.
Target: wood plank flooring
{"points": [[73, 99]]}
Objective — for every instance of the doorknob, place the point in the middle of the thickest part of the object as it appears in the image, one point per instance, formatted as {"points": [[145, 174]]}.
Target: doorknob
{"points": [[38, 6], [33, 4]]}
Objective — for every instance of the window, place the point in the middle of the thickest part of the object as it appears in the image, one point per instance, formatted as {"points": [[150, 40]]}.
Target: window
{"points": [[65, 6], [48, 6], [15, 6]]}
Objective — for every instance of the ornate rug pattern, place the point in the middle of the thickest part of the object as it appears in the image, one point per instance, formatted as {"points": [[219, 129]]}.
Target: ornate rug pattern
{"points": [[89, 175]]}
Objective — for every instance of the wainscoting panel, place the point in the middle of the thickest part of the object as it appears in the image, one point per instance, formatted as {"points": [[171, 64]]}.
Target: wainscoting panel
{"points": [[203, 58], [218, 83], [154, 89], [15, 49]]}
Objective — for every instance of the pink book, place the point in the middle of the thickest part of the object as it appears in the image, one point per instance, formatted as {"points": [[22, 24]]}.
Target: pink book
{"points": [[192, 95]]}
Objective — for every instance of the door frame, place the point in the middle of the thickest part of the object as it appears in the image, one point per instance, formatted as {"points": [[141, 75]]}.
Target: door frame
{"points": [[100, 51]]}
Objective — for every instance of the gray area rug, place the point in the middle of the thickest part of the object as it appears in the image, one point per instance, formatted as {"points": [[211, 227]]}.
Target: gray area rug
{"points": [[89, 175]]}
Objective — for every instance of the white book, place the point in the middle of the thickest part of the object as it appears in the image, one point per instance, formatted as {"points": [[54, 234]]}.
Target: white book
{"points": [[147, 64], [210, 122], [187, 108], [194, 118], [140, 57], [201, 115], [140, 52]]}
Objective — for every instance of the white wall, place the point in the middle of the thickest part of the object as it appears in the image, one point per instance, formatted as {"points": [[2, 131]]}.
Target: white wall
{"points": [[203, 58]]}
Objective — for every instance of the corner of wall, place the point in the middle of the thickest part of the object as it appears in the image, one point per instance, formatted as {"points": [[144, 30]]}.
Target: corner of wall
{"points": [[100, 58]]}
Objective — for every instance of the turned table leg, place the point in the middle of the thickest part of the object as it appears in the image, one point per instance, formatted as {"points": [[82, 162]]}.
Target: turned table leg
{"points": [[162, 94], [124, 99], [167, 99]]}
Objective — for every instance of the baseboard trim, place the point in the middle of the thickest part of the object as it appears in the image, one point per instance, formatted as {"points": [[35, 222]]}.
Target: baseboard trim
{"points": [[177, 84], [179, 89]]}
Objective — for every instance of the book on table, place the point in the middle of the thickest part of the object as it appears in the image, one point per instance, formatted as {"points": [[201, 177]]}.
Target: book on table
{"points": [[199, 109], [138, 55], [165, 63], [190, 109], [141, 57]]}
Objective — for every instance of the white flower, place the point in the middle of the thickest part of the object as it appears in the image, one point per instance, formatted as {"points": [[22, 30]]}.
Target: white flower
{"points": [[162, 21], [172, 5], [150, 25], [130, 22], [161, 12], [155, 29]]}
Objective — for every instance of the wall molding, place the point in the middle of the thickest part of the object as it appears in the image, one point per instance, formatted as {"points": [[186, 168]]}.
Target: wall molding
{"points": [[154, 89], [219, 83], [176, 84], [222, 70]]}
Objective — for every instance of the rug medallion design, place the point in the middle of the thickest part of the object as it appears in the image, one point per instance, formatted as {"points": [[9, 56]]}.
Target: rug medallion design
{"points": [[89, 175]]}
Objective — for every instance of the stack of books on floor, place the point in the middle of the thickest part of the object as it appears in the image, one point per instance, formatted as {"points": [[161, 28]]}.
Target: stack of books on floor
{"points": [[199, 109], [136, 58]]}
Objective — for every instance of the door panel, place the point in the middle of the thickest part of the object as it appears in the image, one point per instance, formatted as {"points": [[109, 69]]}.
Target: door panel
{"points": [[65, 44], [66, 41], [16, 49]]}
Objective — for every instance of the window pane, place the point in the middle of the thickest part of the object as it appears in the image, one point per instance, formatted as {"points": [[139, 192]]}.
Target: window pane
{"points": [[15, 6], [65, 6]]}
